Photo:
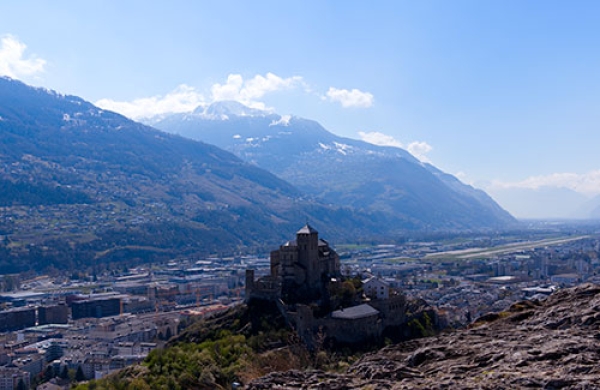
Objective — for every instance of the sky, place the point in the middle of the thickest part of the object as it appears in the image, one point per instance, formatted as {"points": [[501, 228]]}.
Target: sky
{"points": [[503, 94]]}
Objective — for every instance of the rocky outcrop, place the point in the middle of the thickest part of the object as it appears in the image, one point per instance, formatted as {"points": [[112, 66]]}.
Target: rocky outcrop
{"points": [[554, 344]]}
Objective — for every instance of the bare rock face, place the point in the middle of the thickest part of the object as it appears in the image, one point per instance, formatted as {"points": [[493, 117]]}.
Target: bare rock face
{"points": [[554, 344]]}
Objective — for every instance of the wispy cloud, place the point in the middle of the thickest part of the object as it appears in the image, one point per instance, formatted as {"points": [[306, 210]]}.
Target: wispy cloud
{"points": [[13, 63], [586, 183], [350, 98], [182, 99], [419, 149], [249, 91]]}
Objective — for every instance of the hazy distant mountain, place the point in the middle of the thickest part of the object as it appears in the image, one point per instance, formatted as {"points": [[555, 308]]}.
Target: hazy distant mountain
{"points": [[339, 170], [590, 209], [596, 211], [543, 202], [81, 185]]}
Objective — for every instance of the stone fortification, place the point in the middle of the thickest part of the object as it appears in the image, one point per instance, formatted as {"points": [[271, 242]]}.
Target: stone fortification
{"points": [[305, 273]]}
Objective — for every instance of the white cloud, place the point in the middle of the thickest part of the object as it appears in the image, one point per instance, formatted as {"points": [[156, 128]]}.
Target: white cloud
{"points": [[419, 149], [230, 90], [248, 91], [182, 99], [185, 98], [284, 120], [586, 183], [462, 176], [377, 138], [12, 62], [350, 98]]}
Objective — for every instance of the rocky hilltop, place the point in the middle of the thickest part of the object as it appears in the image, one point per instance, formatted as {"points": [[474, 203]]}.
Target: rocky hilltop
{"points": [[553, 344]]}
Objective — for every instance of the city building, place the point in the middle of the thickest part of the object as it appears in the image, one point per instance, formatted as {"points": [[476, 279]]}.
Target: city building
{"points": [[10, 378], [376, 288], [56, 314], [17, 319], [96, 308]]}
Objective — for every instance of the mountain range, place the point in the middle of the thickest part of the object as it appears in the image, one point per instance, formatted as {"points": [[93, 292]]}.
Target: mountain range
{"points": [[86, 186], [81, 185], [591, 208], [339, 170]]}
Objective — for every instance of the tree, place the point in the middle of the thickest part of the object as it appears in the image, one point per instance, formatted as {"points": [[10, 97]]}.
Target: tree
{"points": [[10, 283], [21, 385], [139, 384], [79, 376], [348, 293], [48, 373], [64, 373]]}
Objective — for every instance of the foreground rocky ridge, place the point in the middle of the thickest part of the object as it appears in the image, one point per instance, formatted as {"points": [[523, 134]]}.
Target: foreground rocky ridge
{"points": [[552, 344]]}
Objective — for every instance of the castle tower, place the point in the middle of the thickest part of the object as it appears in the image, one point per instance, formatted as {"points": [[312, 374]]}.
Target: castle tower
{"points": [[307, 240]]}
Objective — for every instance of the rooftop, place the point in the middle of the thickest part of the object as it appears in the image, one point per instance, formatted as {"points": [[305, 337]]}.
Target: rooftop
{"points": [[355, 312], [307, 229]]}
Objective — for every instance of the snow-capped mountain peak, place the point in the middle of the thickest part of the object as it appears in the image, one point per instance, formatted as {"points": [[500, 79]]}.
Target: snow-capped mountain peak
{"points": [[223, 110], [343, 171]]}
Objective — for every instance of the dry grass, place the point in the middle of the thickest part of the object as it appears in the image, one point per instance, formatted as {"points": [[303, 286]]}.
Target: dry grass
{"points": [[282, 359]]}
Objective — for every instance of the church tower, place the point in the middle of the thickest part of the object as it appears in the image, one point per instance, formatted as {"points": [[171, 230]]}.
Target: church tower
{"points": [[307, 240]]}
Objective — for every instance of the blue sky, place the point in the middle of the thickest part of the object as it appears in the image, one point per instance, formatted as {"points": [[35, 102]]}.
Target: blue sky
{"points": [[503, 94]]}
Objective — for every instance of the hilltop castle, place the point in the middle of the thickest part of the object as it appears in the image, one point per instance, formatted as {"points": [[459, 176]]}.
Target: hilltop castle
{"points": [[305, 283], [300, 270]]}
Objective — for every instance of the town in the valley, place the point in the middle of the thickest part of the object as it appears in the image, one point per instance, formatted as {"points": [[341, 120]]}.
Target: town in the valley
{"points": [[60, 327]]}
